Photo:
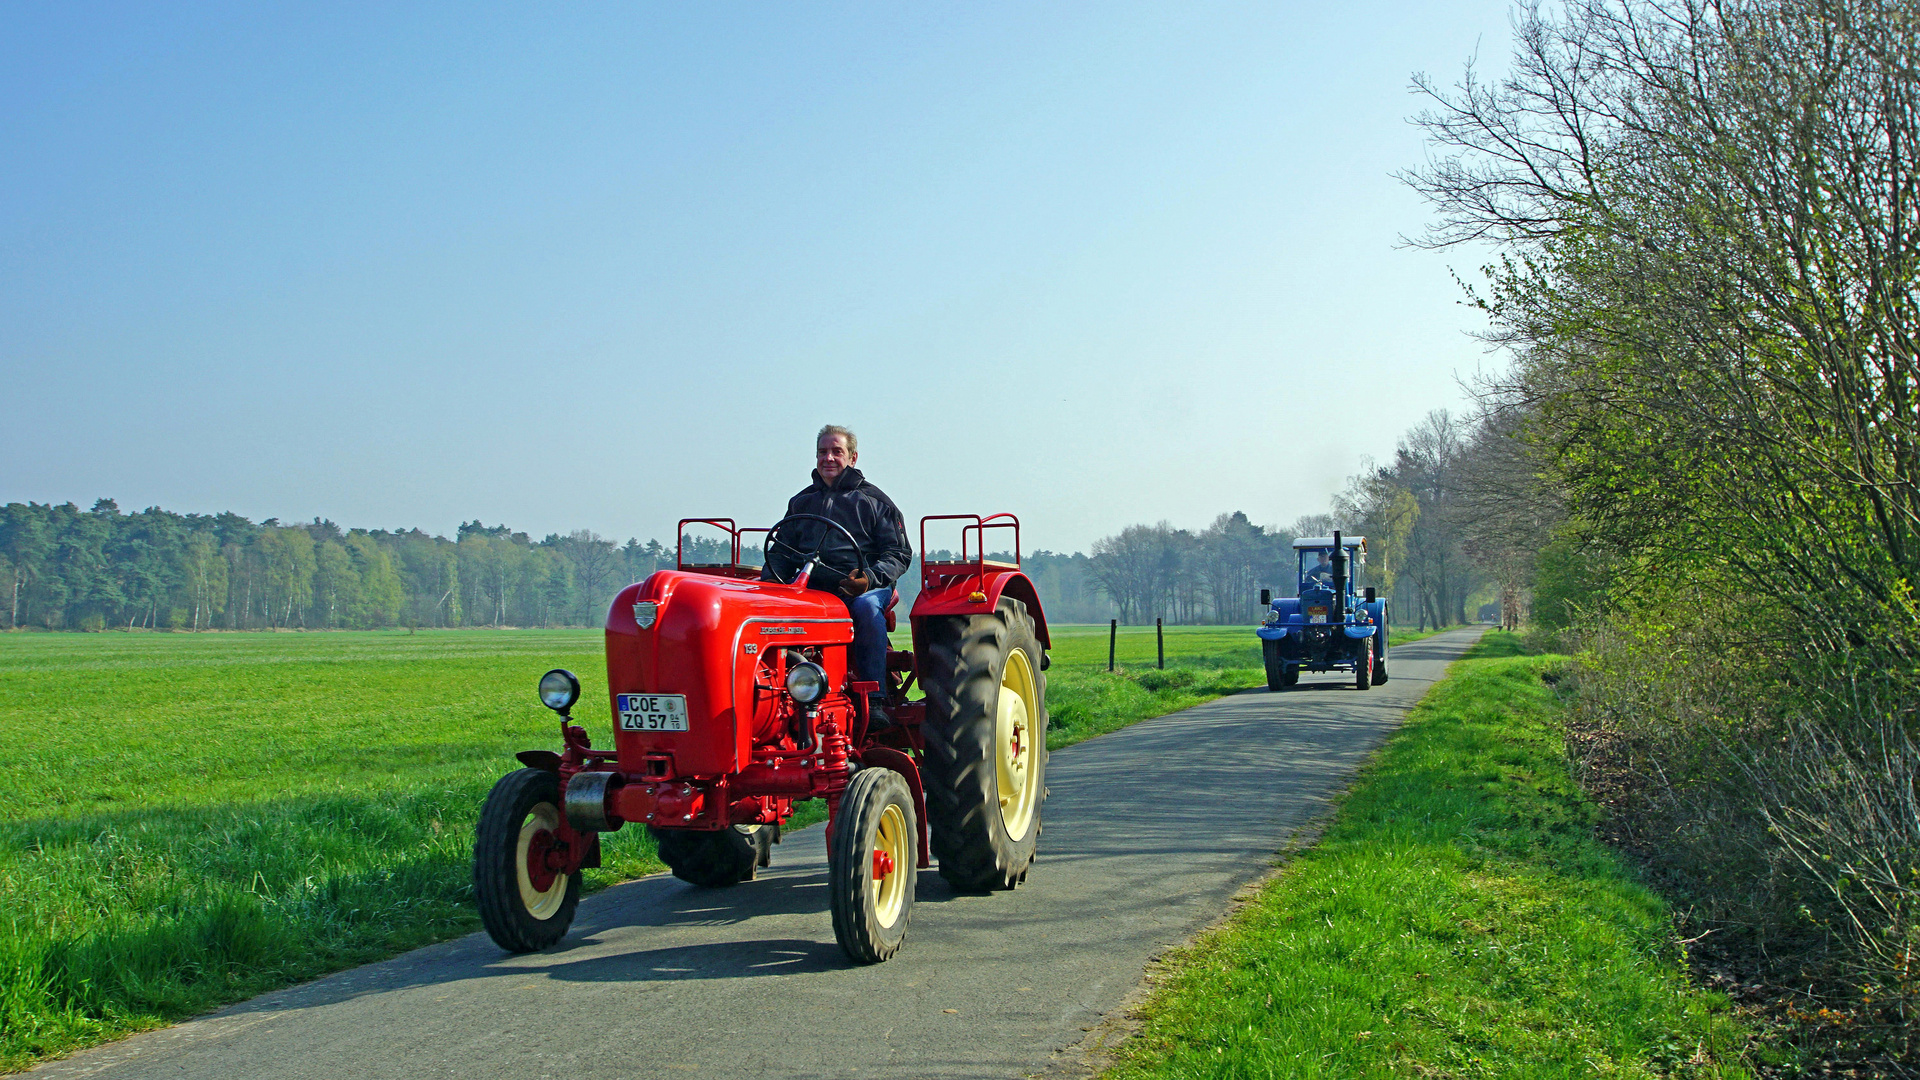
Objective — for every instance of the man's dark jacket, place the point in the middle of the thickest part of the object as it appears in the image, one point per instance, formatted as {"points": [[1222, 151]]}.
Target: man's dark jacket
{"points": [[867, 513]]}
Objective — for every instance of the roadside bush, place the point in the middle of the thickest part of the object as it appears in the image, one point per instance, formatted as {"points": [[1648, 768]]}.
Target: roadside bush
{"points": [[1772, 789], [1178, 678]]}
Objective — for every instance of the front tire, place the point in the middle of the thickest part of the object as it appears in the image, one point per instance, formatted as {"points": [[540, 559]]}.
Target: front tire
{"points": [[714, 859], [1363, 667], [986, 746], [524, 904], [873, 860], [1276, 668]]}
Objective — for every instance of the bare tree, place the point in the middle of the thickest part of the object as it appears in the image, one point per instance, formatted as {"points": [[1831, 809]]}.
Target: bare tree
{"points": [[595, 561]]}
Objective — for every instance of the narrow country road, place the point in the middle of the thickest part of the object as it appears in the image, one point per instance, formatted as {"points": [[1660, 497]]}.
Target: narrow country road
{"points": [[1149, 832]]}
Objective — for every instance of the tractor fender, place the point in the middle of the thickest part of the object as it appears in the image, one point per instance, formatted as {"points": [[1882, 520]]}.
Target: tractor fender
{"points": [[1288, 608], [886, 757], [979, 594], [1358, 632]]}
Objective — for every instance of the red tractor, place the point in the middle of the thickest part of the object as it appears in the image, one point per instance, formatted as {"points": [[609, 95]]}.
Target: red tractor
{"points": [[732, 698]]}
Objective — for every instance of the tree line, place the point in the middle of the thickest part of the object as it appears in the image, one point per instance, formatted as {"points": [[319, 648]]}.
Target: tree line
{"points": [[64, 568], [67, 568], [1702, 472]]}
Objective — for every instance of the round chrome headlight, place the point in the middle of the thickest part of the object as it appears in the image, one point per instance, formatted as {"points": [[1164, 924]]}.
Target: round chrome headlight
{"points": [[559, 689], [1273, 618], [806, 682]]}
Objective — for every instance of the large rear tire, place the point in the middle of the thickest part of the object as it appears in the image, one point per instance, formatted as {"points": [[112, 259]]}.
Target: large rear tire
{"points": [[1380, 656], [986, 740], [714, 859], [523, 903], [872, 863]]}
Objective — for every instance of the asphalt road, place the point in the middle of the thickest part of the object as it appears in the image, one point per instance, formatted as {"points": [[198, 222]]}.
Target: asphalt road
{"points": [[1148, 834]]}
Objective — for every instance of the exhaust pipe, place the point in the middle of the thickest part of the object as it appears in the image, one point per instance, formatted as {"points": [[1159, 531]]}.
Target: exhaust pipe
{"points": [[1339, 580]]}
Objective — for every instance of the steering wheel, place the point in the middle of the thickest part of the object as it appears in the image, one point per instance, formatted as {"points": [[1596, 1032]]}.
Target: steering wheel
{"points": [[801, 554]]}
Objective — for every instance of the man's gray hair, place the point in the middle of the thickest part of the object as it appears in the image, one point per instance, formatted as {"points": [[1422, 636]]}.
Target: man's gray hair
{"points": [[853, 443]]}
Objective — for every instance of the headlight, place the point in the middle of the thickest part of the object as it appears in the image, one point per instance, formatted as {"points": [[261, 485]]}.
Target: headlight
{"points": [[806, 682], [559, 689], [1273, 618]]}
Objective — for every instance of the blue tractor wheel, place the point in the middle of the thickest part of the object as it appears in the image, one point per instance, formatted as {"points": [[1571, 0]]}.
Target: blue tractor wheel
{"points": [[1276, 670]]}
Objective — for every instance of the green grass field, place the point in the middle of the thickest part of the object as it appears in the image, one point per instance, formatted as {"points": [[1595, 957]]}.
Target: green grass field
{"points": [[190, 819], [1458, 918]]}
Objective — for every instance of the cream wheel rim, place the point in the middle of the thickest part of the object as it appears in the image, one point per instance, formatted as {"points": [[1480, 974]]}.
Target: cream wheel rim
{"points": [[889, 888], [540, 905], [1013, 736]]}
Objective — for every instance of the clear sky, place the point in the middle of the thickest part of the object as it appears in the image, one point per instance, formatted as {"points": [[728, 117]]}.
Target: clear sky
{"points": [[576, 266]]}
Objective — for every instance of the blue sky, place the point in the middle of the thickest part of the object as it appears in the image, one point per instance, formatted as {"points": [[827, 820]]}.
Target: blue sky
{"points": [[607, 266]]}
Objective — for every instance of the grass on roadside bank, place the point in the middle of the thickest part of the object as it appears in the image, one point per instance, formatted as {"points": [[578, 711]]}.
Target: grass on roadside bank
{"points": [[188, 820], [1457, 918]]}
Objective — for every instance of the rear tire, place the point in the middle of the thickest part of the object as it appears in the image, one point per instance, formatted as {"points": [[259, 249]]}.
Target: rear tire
{"points": [[714, 860], [986, 745], [1380, 658], [873, 860], [524, 905]]}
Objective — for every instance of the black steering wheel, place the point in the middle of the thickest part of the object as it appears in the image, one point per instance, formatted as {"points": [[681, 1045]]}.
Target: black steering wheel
{"points": [[786, 558]]}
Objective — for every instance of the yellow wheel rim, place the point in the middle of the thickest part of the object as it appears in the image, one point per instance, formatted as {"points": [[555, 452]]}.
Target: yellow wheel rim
{"points": [[1014, 736], [892, 863], [540, 905]]}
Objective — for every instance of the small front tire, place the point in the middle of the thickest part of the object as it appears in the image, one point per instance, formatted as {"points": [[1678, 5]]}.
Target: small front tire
{"points": [[1276, 668], [525, 903], [873, 861]]}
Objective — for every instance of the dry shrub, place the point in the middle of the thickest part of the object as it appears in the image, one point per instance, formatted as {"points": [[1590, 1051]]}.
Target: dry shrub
{"points": [[1772, 789]]}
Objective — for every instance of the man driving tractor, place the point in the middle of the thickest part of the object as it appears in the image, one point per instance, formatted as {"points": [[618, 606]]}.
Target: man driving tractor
{"points": [[840, 493], [1320, 573]]}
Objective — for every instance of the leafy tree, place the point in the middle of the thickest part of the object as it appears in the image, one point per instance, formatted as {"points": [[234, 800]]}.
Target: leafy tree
{"points": [[287, 568]]}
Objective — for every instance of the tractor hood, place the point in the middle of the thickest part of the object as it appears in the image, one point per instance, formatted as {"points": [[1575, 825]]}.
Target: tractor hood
{"points": [[703, 635]]}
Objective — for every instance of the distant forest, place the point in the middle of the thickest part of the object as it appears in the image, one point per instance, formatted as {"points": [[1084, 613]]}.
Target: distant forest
{"points": [[64, 568]]}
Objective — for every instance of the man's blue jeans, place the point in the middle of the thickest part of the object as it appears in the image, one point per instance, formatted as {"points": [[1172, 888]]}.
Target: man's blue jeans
{"points": [[869, 611]]}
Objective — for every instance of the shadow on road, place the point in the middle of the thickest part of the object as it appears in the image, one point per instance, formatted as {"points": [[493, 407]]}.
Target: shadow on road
{"points": [[715, 960]]}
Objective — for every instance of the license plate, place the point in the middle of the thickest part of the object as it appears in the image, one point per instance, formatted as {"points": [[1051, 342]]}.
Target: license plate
{"points": [[652, 712], [1316, 618]]}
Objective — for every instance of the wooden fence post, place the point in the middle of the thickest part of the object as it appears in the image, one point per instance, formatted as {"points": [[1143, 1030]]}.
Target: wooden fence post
{"points": [[1160, 641], [1113, 633]]}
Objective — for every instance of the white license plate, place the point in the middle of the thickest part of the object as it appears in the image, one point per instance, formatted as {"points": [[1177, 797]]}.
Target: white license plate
{"points": [[652, 712], [1316, 618]]}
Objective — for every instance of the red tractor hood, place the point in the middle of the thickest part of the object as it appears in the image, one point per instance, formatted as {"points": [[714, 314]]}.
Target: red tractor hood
{"points": [[705, 636]]}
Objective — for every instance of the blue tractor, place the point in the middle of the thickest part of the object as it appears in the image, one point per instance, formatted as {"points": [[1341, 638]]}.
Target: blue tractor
{"points": [[1332, 624]]}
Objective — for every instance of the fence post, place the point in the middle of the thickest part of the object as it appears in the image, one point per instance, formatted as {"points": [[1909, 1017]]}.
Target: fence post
{"points": [[1113, 632], [1160, 642]]}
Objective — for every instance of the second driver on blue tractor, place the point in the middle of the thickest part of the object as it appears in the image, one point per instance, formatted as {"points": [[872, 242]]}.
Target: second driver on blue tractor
{"points": [[840, 493]]}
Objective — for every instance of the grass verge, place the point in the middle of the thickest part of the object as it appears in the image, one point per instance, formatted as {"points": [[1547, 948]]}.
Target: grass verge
{"points": [[1457, 918]]}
